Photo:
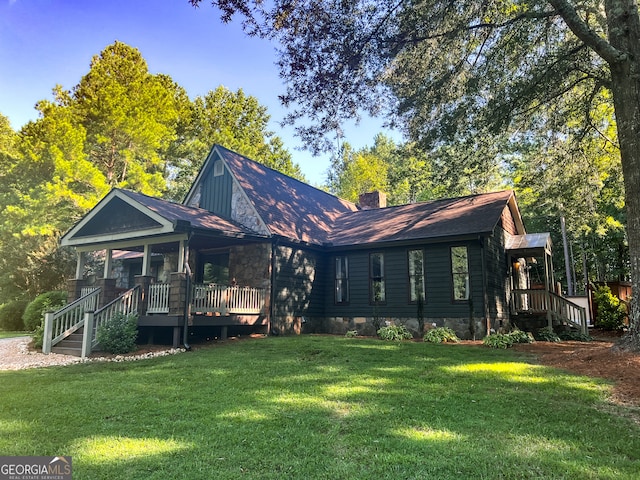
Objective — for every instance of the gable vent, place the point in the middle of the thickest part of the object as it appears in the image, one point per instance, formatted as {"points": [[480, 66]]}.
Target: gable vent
{"points": [[218, 168]]}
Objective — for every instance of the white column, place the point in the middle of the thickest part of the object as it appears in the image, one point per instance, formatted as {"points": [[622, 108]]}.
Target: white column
{"points": [[80, 259], [108, 261], [181, 245], [146, 260]]}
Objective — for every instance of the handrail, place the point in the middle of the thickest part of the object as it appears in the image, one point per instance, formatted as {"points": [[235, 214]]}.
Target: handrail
{"points": [[62, 323], [227, 299], [543, 301], [158, 298], [125, 304]]}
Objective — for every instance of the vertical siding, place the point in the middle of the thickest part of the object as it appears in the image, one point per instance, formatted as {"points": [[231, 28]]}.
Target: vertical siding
{"points": [[498, 284], [439, 297], [216, 193]]}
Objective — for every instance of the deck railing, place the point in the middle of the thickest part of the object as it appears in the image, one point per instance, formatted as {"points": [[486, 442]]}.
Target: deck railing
{"points": [[59, 325], [227, 299], [158, 298], [545, 302]]}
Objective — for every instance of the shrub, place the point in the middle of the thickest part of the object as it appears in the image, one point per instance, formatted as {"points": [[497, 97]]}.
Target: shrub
{"points": [[38, 337], [440, 335], [611, 311], [394, 332], [351, 334], [34, 313], [119, 334], [575, 336], [547, 334], [518, 336], [498, 340], [11, 315]]}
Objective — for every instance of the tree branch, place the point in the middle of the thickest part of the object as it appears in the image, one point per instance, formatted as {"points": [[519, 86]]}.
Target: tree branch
{"points": [[602, 47]]}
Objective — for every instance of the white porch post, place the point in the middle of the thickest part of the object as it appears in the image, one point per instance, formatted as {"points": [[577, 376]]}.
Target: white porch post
{"points": [[146, 260], [80, 259], [108, 262], [181, 249]]}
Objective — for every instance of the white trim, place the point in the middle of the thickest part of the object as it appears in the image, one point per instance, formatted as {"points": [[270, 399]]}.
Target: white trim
{"points": [[108, 260], [69, 240], [130, 242], [146, 260]]}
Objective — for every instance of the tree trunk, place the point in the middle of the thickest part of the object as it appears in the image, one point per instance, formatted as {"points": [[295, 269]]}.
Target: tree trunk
{"points": [[624, 34]]}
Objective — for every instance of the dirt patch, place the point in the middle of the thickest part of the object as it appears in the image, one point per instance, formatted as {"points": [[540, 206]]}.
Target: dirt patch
{"points": [[594, 359]]}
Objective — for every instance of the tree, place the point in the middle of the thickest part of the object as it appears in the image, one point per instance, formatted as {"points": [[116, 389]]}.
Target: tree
{"points": [[450, 66], [130, 117], [232, 119]]}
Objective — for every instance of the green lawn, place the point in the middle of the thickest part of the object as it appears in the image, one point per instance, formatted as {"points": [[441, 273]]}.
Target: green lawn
{"points": [[315, 407]]}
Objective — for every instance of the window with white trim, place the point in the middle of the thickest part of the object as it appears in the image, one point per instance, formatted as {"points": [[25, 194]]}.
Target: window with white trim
{"points": [[342, 280], [460, 273], [376, 278], [416, 275]]}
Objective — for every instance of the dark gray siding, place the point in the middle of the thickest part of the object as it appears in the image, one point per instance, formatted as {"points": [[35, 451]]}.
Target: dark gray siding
{"points": [[439, 298], [299, 283], [498, 284], [216, 193]]}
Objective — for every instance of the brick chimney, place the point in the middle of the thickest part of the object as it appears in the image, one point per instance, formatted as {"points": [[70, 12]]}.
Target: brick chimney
{"points": [[372, 200]]}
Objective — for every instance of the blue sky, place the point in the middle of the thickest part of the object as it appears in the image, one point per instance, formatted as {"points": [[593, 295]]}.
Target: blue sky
{"points": [[49, 42]]}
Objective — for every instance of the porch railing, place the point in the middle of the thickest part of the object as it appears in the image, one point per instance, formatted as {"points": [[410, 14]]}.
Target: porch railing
{"points": [[227, 299], [59, 325], [158, 298], [545, 302]]}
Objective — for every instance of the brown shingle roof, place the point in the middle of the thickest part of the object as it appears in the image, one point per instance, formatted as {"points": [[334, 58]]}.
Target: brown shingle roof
{"points": [[428, 220], [289, 208], [198, 217]]}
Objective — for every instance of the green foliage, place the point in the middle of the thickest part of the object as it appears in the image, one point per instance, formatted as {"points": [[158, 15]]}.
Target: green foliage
{"points": [[575, 336], [441, 335], [498, 340], [34, 313], [518, 336], [11, 315], [611, 312], [506, 340], [118, 335], [38, 336], [351, 334], [547, 334], [394, 333]]}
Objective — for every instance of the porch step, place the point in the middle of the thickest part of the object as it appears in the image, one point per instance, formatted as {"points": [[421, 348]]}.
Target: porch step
{"points": [[72, 345]]}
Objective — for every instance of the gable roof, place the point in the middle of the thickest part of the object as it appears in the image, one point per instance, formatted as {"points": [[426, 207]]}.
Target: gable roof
{"points": [[288, 207], [140, 215], [452, 217]]}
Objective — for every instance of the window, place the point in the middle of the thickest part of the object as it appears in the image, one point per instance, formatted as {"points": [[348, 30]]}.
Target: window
{"points": [[460, 273], [218, 168], [376, 280], [342, 280], [416, 275]]}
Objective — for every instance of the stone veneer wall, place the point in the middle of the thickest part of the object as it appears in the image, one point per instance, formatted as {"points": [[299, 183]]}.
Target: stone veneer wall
{"points": [[244, 213], [367, 325], [250, 265]]}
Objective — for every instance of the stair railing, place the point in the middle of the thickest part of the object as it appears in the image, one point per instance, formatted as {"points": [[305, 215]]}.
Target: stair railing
{"points": [[62, 323]]}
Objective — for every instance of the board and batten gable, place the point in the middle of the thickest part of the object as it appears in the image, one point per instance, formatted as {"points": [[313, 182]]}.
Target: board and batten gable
{"points": [[216, 190]]}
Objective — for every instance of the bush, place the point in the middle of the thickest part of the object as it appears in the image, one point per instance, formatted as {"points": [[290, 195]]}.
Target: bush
{"points": [[394, 332], [351, 334], [119, 334], [498, 340], [576, 336], [38, 337], [441, 335], [34, 313], [518, 336], [611, 312], [547, 334], [11, 315]]}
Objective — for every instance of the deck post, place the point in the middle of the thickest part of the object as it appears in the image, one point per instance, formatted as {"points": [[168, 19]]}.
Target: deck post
{"points": [[88, 334], [48, 333], [549, 313]]}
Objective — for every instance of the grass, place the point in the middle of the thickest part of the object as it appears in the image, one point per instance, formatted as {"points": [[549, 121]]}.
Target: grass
{"points": [[316, 407], [11, 334]]}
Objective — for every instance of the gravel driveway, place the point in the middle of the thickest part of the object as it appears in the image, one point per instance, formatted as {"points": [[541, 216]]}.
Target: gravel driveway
{"points": [[16, 355]]}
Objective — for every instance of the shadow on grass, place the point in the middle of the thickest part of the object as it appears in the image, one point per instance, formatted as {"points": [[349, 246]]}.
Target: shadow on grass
{"points": [[319, 407]]}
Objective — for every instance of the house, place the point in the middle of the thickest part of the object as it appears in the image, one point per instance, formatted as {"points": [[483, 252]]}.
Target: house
{"points": [[252, 247]]}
